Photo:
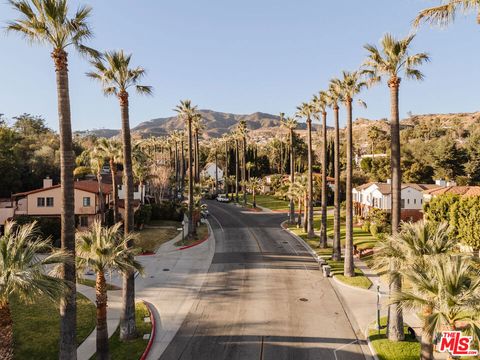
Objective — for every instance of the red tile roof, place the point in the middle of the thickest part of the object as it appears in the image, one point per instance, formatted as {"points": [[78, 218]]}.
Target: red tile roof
{"points": [[85, 185], [455, 190]]}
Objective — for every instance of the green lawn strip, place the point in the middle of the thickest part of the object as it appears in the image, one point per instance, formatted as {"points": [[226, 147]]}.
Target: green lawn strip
{"points": [[150, 239], [393, 350], [202, 233], [92, 283], [359, 280], [36, 327], [131, 349], [269, 202]]}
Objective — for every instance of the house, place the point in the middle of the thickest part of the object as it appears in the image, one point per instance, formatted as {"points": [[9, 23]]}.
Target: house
{"points": [[451, 190], [139, 190], [47, 201], [378, 195], [211, 171]]}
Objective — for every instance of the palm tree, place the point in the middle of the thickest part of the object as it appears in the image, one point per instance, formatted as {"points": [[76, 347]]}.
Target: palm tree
{"points": [[307, 110], [254, 185], [333, 98], [23, 276], [226, 141], [187, 113], [47, 22], [447, 292], [350, 85], [237, 165], [444, 14], [413, 245], [197, 128], [113, 71], [291, 124], [242, 134], [321, 102], [104, 249], [112, 150], [299, 190], [392, 61]]}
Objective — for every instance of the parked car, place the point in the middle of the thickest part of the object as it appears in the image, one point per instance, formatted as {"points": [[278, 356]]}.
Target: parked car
{"points": [[223, 198]]}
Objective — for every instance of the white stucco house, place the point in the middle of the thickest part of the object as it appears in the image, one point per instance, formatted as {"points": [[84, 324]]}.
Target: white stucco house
{"points": [[378, 195], [210, 170]]}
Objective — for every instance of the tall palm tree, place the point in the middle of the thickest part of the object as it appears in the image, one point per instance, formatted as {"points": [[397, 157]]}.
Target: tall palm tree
{"points": [[226, 142], [176, 139], [47, 22], [254, 185], [237, 164], [112, 150], [187, 113], [392, 61], [104, 249], [447, 292], [197, 128], [444, 14], [242, 134], [113, 71], [23, 276], [291, 124], [307, 110], [350, 86], [334, 98], [321, 103], [413, 246]]}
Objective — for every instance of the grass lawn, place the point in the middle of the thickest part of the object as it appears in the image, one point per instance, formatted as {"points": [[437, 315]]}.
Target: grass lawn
{"points": [[150, 238], [202, 233], [132, 349], [91, 283], [273, 203], [390, 350], [359, 280], [36, 327]]}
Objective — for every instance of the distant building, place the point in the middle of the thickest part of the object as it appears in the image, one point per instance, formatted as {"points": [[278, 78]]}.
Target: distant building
{"points": [[210, 170], [378, 195], [451, 190], [359, 158]]}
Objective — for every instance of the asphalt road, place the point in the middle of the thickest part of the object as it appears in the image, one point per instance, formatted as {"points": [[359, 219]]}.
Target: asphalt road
{"points": [[264, 298]]}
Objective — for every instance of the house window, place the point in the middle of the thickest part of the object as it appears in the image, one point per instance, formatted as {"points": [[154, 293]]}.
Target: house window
{"points": [[408, 201], [415, 201], [421, 201], [49, 201], [83, 221], [403, 203], [86, 201], [40, 202]]}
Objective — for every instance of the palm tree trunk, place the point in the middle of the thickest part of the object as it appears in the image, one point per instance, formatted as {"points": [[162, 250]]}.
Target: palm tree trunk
{"points": [[305, 218], [101, 201], [244, 171], [395, 323], [323, 230], [237, 170], [127, 317], [183, 165], [337, 247], [299, 220], [216, 172], [177, 168], [6, 332], [254, 198], [68, 306], [348, 265], [292, 178], [103, 352], [191, 223], [309, 204], [113, 171], [426, 350], [197, 158]]}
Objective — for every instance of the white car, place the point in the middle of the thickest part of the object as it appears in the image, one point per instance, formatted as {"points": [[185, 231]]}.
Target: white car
{"points": [[223, 198]]}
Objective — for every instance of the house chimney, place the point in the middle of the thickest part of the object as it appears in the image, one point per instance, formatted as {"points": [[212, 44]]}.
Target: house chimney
{"points": [[389, 181], [47, 182]]}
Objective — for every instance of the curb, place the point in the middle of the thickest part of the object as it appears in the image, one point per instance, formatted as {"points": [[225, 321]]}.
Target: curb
{"points": [[369, 343], [199, 241], [304, 244], [355, 287], [152, 333]]}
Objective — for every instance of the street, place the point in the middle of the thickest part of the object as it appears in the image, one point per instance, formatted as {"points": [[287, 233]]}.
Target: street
{"points": [[263, 298]]}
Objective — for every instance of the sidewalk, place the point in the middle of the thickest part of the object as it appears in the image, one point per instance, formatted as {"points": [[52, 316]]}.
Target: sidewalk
{"points": [[89, 346]]}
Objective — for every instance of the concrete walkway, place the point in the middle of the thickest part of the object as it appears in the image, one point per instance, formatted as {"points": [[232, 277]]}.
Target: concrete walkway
{"points": [[89, 346]]}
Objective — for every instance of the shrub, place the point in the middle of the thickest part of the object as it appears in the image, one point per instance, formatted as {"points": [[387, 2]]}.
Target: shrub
{"points": [[366, 226], [142, 216], [374, 230], [167, 210], [48, 226]]}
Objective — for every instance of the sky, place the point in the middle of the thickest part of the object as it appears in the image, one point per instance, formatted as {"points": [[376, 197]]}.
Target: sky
{"points": [[242, 57]]}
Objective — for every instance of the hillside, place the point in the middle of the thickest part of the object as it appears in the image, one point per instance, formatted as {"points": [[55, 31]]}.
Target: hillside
{"points": [[216, 124]]}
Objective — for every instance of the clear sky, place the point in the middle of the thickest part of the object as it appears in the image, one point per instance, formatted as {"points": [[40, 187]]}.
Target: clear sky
{"points": [[242, 57]]}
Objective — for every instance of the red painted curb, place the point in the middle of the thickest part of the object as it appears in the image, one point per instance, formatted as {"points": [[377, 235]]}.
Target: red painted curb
{"points": [[152, 333], [194, 244]]}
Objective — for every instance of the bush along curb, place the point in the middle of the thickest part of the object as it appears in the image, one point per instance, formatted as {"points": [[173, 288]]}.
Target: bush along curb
{"points": [[152, 332]]}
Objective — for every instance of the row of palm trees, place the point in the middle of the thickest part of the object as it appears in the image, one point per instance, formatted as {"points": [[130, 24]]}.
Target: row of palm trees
{"points": [[391, 61], [48, 22]]}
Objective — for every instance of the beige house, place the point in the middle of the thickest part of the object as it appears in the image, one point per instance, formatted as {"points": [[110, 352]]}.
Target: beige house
{"points": [[47, 201]]}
